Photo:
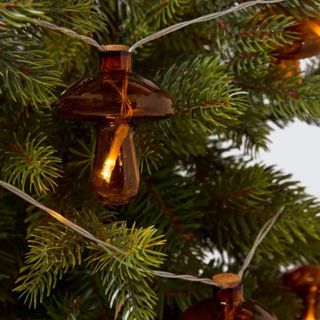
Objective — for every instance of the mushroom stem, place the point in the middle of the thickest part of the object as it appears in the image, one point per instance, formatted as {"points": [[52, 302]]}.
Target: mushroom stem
{"points": [[111, 159]]}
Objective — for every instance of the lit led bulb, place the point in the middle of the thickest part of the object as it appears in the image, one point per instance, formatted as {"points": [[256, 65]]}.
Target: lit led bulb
{"points": [[113, 154], [315, 27]]}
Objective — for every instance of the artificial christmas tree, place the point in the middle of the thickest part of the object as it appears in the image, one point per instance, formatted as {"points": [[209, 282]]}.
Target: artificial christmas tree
{"points": [[195, 197]]}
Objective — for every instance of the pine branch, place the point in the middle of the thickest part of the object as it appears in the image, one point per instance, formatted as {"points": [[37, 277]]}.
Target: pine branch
{"points": [[263, 33], [11, 244], [33, 66], [30, 164], [252, 133], [84, 157], [168, 13], [242, 196], [53, 251], [30, 75], [17, 15], [295, 7], [125, 275], [79, 14], [204, 95], [176, 211], [303, 103], [148, 151], [72, 306], [255, 41], [172, 199], [285, 98]]}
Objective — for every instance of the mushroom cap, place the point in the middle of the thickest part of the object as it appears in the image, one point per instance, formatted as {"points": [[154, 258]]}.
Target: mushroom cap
{"points": [[308, 43], [98, 97], [303, 276]]}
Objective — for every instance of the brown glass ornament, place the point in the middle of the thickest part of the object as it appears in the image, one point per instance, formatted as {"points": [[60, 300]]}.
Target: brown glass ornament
{"points": [[227, 303], [308, 43], [113, 98], [305, 281]]}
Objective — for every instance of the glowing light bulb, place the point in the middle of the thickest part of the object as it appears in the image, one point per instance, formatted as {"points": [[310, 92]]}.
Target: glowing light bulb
{"points": [[315, 27], [310, 317], [108, 167], [111, 159], [310, 314]]}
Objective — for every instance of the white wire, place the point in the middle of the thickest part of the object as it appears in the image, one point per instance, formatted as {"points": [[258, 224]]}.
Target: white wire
{"points": [[58, 216], [186, 277], [68, 32], [207, 17], [107, 246], [261, 235]]}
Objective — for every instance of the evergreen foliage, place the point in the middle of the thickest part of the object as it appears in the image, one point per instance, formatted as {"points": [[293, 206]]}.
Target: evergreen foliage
{"points": [[195, 198]]}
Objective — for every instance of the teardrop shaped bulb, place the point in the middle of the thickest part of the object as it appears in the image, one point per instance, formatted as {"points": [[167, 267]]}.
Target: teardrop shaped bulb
{"points": [[115, 175]]}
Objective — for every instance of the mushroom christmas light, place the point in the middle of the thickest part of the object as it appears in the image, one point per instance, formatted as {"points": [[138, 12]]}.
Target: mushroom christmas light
{"points": [[113, 98]]}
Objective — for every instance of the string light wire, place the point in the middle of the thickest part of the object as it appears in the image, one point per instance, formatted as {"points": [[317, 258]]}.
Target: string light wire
{"points": [[204, 18], [261, 235], [160, 33], [70, 33], [109, 247]]}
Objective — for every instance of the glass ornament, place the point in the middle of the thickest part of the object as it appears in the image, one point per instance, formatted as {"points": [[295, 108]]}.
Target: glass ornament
{"points": [[114, 98]]}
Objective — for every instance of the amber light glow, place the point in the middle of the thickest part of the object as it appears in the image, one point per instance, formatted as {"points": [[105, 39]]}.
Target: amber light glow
{"points": [[111, 159], [311, 309], [310, 314], [315, 27]]}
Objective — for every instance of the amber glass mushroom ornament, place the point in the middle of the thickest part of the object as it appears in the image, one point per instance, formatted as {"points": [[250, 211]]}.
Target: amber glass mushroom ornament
{"points": [[308, 43], [305, 281], [306, 46], [113, 98], [227, 303]]}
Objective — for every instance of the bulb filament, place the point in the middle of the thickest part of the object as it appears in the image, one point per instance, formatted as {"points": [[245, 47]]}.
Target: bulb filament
{"points": [[111, 159]]}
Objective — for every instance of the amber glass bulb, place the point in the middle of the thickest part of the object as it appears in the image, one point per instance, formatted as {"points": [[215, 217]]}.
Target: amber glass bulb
{"points": [[227, 304], [115, 175], [305, 281], [113, 98]]}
